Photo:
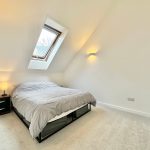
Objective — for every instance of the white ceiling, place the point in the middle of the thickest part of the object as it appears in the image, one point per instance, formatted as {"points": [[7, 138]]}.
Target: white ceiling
{"points": [[21, 22]]}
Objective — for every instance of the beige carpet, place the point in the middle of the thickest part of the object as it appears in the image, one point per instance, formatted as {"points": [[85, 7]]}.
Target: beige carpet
{"points": [[101, 129]]}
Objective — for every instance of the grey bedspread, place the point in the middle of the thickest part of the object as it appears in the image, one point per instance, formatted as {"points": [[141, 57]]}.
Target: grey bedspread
{"points": [[39, 102]]}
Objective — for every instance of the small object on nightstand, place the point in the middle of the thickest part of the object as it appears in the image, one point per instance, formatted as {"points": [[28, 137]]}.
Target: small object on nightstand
{"points": [[5, 104], [4, 87], [4, 94]]}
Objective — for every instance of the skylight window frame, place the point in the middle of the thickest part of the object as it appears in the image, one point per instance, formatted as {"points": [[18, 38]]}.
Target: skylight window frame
{"points": [[38, 64], [58, 33]]}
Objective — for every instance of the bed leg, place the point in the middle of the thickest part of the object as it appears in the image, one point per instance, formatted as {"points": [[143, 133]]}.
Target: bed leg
{"points": [[39, 138]]}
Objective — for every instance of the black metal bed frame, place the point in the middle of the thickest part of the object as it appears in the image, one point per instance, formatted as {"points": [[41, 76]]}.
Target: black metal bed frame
{"points": [[54, 126]]}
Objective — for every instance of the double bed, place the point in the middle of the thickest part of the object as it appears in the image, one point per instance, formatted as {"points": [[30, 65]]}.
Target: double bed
{"points": [[45, 107]]}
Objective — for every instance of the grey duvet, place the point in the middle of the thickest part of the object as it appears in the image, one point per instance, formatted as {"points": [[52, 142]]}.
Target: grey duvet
{"points": [[39, 102]]}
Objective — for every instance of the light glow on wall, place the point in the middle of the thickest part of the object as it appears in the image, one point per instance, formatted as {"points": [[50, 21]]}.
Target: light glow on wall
{"points": [[92, 58], [4, 85]]}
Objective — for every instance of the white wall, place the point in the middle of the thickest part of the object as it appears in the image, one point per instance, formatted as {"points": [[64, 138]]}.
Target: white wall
{"points": [[20, 26], [122, 67], [21, 23]]}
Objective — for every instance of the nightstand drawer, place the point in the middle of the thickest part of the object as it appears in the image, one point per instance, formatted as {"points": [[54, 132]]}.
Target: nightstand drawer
{"points": [[3, 103], [4, 110]]}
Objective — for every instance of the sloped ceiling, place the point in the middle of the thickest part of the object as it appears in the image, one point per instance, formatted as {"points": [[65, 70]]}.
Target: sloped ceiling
{"points": [[21, 22]]}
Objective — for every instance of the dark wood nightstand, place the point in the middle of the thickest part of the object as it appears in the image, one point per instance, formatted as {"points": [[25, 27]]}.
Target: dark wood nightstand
{"points": [[5, 104]]}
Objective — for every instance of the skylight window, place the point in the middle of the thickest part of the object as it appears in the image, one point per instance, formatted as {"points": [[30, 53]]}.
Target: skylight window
{"points": [[46, 41], [49, 41]]}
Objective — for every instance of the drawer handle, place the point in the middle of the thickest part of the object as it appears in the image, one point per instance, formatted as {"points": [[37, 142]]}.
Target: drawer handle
{"points": [[2, 109], [2, 102]]}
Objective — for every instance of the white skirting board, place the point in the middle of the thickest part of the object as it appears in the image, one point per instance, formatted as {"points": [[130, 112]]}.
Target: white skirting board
{"points": [[145, 114]]}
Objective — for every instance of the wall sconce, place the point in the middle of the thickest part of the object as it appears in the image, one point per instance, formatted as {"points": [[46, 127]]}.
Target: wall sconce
{"points": [[4, 87], [92, 56]]}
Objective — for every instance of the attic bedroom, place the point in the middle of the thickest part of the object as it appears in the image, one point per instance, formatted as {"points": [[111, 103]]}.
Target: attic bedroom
{"points": [[74, 75]]}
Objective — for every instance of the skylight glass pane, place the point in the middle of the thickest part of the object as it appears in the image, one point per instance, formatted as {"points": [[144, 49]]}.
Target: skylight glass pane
{"points": [[45, 41]]}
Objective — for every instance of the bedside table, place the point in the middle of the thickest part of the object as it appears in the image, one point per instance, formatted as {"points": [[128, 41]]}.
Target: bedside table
{"points": [[5, 104]]}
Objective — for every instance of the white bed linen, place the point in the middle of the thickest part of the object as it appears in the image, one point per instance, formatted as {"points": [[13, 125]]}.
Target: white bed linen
{"points": [[39, 102]]}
